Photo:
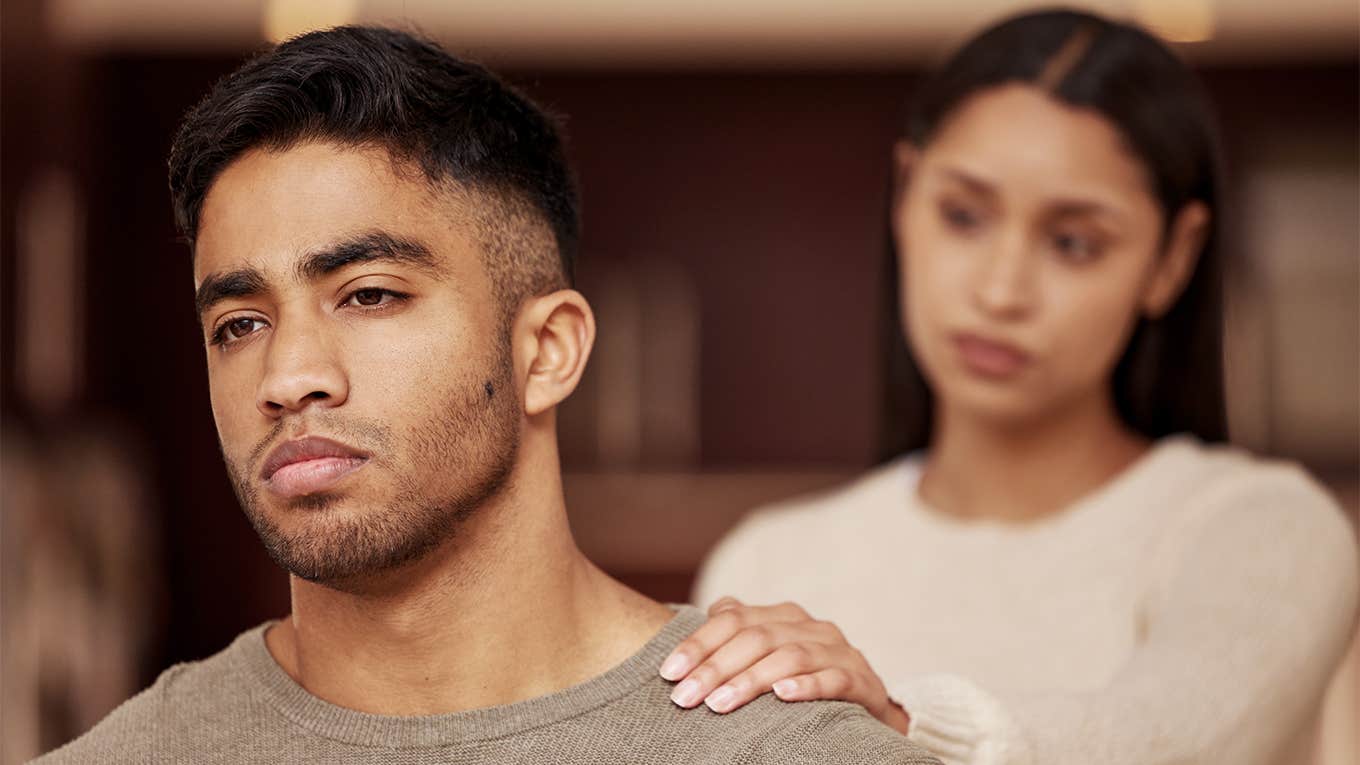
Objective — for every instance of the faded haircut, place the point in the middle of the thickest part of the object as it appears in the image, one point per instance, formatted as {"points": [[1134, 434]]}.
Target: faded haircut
{"points": [[452, 121]]}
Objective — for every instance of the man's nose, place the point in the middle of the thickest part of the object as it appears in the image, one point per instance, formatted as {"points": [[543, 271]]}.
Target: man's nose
{"points": [[301, 370]]}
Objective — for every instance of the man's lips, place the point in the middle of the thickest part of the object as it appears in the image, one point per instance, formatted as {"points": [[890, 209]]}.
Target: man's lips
{"points": [[309, 465]]}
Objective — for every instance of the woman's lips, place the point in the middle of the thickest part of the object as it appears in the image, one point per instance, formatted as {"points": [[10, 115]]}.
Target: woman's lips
{"points": [[299, 479], [990, 358]]}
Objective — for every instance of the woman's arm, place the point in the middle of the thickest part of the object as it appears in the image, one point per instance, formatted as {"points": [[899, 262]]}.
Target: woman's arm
{"points": [[1253, 604], [1250, 605]]}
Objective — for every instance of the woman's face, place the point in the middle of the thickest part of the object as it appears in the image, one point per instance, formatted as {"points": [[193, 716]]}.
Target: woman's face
{"points": [[1030, 244]]}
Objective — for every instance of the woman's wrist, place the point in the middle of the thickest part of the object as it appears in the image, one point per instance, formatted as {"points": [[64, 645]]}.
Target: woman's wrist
{"points": [[897, 718]]}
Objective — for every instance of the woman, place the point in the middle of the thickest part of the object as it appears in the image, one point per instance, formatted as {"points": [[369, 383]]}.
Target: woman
{"points": [[1069, 568]]}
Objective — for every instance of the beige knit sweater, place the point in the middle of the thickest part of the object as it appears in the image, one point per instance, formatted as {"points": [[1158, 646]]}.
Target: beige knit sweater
{"points": [[1191, 611], [241, 707]]}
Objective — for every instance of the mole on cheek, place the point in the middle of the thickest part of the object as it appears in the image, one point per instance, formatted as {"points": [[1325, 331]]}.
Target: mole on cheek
{"points": [[490, 390]]}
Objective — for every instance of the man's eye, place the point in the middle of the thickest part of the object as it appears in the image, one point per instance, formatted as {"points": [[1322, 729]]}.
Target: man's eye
{"points": [[373, 296], [235, 329]]}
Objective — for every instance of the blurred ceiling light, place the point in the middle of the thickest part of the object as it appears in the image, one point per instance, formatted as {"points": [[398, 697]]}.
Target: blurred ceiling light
{"points": [[656, 34], [1178, 21], [288, 18]]}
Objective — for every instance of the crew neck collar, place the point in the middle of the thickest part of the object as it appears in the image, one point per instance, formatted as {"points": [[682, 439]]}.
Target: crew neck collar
{"points": [[253, 660], [1131, 479]]}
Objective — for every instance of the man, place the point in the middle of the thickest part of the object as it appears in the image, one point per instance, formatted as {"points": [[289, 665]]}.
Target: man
{"points": [[383, 240]]}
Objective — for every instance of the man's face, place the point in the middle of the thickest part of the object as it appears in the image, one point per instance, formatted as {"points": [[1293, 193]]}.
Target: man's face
{"points": [[360, 372]]}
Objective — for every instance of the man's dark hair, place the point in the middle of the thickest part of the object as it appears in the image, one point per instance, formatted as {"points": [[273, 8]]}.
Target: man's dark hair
{"points": [[373, 87]]}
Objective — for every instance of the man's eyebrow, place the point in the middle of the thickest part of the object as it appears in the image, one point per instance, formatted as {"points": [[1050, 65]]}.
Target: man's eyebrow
{"points": [[367, 248], [243, 282], [364, 248]]}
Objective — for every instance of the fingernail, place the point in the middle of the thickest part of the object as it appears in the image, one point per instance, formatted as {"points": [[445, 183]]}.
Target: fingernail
{"points": [[686, 694], [721, 700], [675, 667], [784, 687]]}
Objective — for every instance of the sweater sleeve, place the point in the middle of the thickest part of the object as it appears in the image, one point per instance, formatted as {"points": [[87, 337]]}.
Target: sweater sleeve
{"points": [[1251, 604]]}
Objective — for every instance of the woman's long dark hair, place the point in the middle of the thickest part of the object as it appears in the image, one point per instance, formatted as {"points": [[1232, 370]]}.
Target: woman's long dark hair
{"points": [[1170, 378]]}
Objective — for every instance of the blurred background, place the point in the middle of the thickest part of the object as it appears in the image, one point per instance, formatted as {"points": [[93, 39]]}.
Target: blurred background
{"points": [[733, 159]]}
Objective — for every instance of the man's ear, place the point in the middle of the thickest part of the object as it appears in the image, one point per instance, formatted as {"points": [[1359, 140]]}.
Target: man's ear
{"points": [[553, 338], [1184, 242]]}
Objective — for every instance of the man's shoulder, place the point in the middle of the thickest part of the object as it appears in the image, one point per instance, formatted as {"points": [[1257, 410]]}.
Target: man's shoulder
{"points": [[765, 730], [175, 712], [826, 731]]}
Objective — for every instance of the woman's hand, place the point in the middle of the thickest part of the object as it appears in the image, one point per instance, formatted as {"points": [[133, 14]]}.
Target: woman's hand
{"points": [[743, 651]]}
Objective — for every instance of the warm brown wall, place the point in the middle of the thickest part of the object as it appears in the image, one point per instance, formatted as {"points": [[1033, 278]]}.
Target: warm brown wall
{"points": [[767, 188]]}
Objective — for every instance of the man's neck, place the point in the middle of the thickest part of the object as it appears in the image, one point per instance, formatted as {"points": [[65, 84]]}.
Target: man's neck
{"points": [[507, 610], [1025, 471]]}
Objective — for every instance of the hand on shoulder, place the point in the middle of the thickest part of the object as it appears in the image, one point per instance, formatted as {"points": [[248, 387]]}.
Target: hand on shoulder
{"points": [[744, 651]]}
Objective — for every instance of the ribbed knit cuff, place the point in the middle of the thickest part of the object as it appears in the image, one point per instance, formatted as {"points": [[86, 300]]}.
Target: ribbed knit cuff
{"points": [[959, 722]]}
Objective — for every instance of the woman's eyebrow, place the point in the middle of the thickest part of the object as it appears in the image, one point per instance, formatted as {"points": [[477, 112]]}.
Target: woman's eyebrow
{"points": [[969, 181], [1073, 208], [1057, 207]]}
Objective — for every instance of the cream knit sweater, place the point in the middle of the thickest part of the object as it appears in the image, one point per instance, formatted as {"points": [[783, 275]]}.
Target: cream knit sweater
{"points": [[1190, 611]]}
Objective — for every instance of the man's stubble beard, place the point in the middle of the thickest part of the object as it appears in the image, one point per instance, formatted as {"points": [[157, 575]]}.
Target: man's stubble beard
{"points": [[473, 436]]}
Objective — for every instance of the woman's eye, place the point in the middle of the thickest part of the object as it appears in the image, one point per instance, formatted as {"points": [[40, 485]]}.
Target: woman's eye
{"points": [[1076, 247], [959, 217]]}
